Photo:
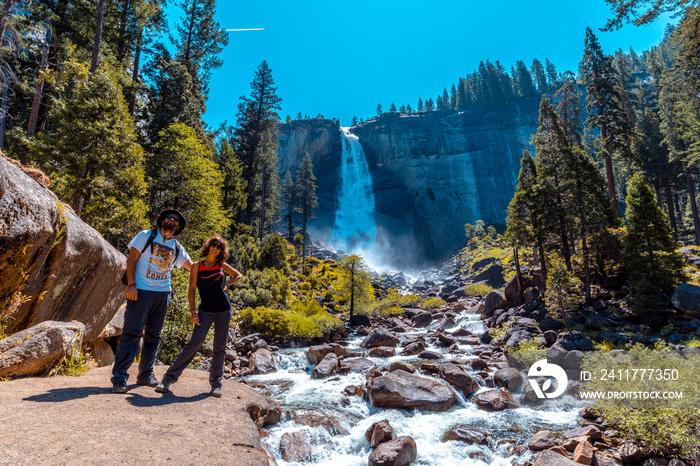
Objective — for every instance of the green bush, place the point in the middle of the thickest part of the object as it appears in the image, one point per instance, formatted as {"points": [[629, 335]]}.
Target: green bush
{"points": [[265, 320], [528, 352], [668, 426], [261, 288], [75, 366], [432, 303], [477, 289], [273, 254]]}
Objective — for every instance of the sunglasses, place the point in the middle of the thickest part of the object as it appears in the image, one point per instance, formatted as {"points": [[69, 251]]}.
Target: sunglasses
{"points": [[216, 246], [174, 218]]}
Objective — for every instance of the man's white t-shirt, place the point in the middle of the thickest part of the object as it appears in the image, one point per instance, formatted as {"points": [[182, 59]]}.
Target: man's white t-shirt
{"points": [[153, 270]]}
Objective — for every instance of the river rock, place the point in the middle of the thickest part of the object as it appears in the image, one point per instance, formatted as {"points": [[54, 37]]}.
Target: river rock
{"points": [[54, 267], [398, 452], [512, 291], [382, 352], [379, 432], [478, 364], [629, 452], [38, 349], [552, 458], [327, 367], [497, 399], [361, 365], [414, 348], [583, 454], [458, 378], [296, 446], [492, 275], [401, 365], [542, 440], [262, 362], [590, 431], [494, 300], [380, 337], [313, 418], [687, 297], [422, 320], [467, 434], [509, 378], [551, 324], [315, 354], [429, 354], [400, 389]]}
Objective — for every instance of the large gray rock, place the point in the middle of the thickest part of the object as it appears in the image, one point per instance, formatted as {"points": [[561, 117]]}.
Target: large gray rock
{"points": [[494, 300], [380, 337], [398, 452], [494, 400], [399, 389], [458, 378], [686, 297], [296, 446], [551, 458], [467, 434], [327, 367], [492, 275], [509, 378], [262, 362], [379, 432], [361, 365], [53, 265], [38, 349], [315, 354]]}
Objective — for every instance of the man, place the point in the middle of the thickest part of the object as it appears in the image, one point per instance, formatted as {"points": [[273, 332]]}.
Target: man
{"points": [[152, 255]]}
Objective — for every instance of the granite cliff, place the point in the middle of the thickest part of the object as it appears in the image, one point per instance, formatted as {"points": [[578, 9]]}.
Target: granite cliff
{"points": [[431, 172]]}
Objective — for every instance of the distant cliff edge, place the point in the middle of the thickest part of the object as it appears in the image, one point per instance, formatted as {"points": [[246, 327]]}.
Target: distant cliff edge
{"points": [[431, 173]]}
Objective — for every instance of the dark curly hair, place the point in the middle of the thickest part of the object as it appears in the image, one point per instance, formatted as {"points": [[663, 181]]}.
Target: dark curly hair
{"points": [[223, 252]]}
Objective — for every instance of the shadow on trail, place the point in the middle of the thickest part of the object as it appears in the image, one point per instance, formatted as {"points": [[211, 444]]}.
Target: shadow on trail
{"points": [[59, 395], [162, 399]]}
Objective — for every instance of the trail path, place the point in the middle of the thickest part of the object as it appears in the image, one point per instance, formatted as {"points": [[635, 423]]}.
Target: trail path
{"points": [[76, 420]]}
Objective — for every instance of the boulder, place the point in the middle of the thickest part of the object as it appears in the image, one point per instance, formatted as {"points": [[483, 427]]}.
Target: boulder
{"points": [[494, 300], [379, 432], [101, 352], [327, 367], [427, 354], [401, 365], [359, 320], [686, 297], [54, 267], [115, 326], [478, 364], [551, 324], [492, 275], [509, 378], [400, 389], [380, 337], [583, 454], [315, 354], [458, 378], [467, 434], [497, 399], [296, 446], [414, 348], [382, 352], [590, 431], [629, 452], [397, 452], [422, 320], [531, 294], [361, 365], [542, 440], [38, 349], [597, 322], [314, 418], [552, 458], [262, 362], [512, 291]]}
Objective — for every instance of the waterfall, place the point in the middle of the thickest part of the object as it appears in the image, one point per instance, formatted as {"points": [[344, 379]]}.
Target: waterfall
{"points": [[354, 228]]}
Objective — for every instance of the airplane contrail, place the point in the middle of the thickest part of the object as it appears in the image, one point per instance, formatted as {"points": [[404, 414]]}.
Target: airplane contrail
{"points": [[237, 30]]}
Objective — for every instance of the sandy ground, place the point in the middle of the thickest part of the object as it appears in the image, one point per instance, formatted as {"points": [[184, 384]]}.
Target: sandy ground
{"points": [[76, 420]]}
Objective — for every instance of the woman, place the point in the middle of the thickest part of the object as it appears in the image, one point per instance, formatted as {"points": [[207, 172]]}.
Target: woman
{"points": [[208, 276]]}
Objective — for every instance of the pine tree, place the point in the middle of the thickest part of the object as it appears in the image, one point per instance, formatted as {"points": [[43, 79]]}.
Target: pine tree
{"points": [[93, 156], [306, 192], [288, 203], [354, 285], [182, 175], [654, 266], [429, 105], [553, 81], [379, 109], [523, 86], [421, 106], [569, 108], [256, 143], [538, 75], [233, 189], [604, 106], [392, 108]]}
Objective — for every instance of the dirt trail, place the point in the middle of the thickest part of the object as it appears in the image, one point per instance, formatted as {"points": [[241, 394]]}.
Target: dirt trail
{"points": [[76, 420]]}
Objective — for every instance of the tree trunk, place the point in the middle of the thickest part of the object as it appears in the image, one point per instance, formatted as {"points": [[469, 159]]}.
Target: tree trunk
{"points": [[3, 114], [543, 264], [352, 292], [518, 274], [262, 202], [135, 75], [4, 17], [39, 89], [98, 36], [586, 264], [671, 213], [121, 41], [693, 205]]}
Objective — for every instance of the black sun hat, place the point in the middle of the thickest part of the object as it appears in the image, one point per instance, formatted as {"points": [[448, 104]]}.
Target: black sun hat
{"points": [[165, 213]]}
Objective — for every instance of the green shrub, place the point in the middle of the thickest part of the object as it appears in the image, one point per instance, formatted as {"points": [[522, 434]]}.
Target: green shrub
{"points": [[261, 288], [432, 303], [497, 333], [75, 366], [273, 254], [528, 352], [477, 289], [668, 426], [265, 320]]}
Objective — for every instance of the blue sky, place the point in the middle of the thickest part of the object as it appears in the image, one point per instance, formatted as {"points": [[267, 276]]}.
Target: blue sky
{"points": [[341, 59]]}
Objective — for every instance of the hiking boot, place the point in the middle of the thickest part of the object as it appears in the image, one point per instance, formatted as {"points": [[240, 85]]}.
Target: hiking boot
{"points": [[216, 392], [149, 381], [163, 386], [119, 387]]}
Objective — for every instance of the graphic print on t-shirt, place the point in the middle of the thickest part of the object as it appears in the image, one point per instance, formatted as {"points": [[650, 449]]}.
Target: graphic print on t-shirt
{"points": [[160, 263]]}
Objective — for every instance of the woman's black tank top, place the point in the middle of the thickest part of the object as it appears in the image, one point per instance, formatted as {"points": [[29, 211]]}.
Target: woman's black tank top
{"points": [[210, 283]]}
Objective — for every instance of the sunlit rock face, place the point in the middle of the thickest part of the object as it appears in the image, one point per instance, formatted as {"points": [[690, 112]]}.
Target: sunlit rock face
{"points": [[431, 173]]}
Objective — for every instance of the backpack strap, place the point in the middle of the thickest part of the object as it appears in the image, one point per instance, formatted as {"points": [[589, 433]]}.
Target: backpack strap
{"points": [[177, 251]]}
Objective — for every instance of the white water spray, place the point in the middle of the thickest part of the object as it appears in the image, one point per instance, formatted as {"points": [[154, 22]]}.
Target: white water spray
{"points": [[354, 228]]}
